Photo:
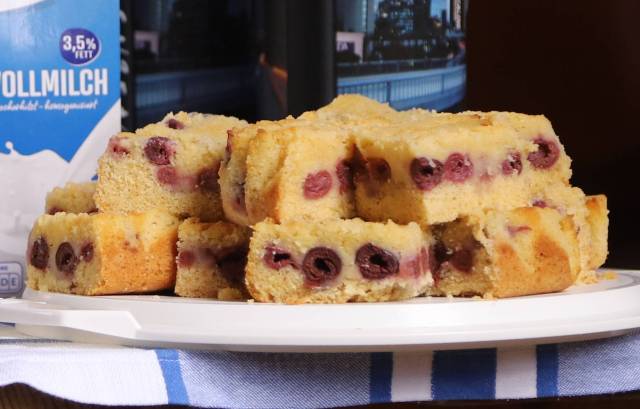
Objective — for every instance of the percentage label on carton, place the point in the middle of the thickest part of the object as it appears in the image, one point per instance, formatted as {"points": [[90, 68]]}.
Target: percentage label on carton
{"points": [[79, 46]]}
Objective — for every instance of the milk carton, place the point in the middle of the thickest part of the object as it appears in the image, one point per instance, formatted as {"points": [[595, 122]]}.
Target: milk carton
{"points": [[59, 104]]}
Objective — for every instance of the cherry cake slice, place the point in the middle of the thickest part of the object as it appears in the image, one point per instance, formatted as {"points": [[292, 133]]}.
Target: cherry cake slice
{"points": [[337, 261], [102, 253], [170, 165], [211, 260]]}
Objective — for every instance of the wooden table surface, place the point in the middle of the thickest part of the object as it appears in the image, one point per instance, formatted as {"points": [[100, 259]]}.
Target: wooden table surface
{"points": [[24, 397]]}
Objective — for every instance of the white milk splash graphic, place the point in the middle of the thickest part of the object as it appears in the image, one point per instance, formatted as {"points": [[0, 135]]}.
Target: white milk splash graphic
{"points": [[6, 5], [24, 183], [26, 179]]}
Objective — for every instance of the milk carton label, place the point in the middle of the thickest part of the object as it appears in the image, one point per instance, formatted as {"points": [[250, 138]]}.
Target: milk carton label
{"points": [[59, 104], [10, 278]]}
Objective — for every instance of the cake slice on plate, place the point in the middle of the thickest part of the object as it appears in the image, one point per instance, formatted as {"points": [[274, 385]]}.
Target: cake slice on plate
{"points": [[523, 251], [337, 261], [433, 168], [211, 260], [102, 253], [300, 172], [336, 118], [171, 165], [233, 169]]}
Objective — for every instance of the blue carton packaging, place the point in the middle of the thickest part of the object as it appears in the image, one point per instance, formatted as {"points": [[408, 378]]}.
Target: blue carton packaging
{"points": [[59, 104]]}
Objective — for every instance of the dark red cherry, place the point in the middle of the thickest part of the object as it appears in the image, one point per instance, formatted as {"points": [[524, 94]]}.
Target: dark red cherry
{"points": [[512, 165], [40, 253], [159, 150], [462, 259], [208, 179], [86, 252], [167, 175], [116, 148], [375, 262], [547, 154], [277, 258], [66, 259], [437, 256], [321, 265], [316, 185], [232, 262], [345, 176], [458, 168], [174, 124], [54, 210], [539, 203], [426, 173], [186, 258]]}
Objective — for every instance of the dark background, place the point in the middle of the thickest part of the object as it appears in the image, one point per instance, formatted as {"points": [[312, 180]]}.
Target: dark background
{"points": [[578, 63], [575, 61]]}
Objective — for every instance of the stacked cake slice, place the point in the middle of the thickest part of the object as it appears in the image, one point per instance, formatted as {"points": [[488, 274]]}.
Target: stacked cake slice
{"points": [[120, 234], [171, 165], [353, 202], [443, 166], [490, 192]]}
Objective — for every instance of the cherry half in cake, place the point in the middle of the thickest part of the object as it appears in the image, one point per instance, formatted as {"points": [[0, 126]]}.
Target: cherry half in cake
{"points": [[376, 262], [320, 266], [426, 173], [277, 258], [317, 185]]}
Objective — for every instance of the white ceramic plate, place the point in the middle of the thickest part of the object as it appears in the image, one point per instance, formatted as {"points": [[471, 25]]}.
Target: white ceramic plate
{"points": [[609, 308]]}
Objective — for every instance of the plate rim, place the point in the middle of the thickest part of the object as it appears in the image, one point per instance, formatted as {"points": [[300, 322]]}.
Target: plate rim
{"points": [[358, 339]]}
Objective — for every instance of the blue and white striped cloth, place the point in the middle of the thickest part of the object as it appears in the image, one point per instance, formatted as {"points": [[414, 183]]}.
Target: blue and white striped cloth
{"points": [[111, 375]]}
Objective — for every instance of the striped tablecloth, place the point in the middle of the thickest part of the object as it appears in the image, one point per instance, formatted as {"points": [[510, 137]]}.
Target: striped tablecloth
{"points": [[111, 375]]}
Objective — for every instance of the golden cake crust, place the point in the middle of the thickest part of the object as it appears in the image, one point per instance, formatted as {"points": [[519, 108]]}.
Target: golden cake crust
{"points": [[598, 220], [353, 109], [71, 198], [548, 261], [524, 251]]}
